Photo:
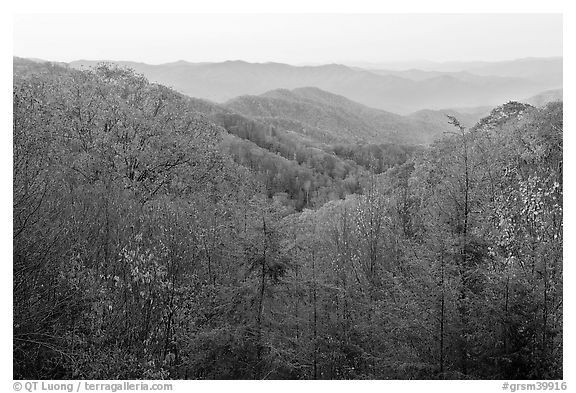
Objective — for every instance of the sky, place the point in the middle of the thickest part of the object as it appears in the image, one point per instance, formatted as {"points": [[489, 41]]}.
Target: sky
{"points": [[287, 38]]}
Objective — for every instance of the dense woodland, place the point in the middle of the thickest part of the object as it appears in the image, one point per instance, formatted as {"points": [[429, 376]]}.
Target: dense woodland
{"points": [[158, 236]]}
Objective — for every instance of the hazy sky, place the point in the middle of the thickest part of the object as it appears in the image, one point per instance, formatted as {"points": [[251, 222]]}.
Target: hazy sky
{"points": [[288, 38]]}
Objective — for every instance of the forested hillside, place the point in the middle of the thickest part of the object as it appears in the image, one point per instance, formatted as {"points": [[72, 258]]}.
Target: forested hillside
{"points": [[342, 118], [157, 236], [312, 164]]}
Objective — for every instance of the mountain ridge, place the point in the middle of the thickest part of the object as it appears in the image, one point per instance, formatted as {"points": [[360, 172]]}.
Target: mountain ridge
{"points": [[348, 120], [223, 81]]}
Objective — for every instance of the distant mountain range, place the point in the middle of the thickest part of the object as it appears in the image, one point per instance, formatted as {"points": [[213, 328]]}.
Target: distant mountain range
{"points": [[526, 67], [458, 85], [316, 115], [545, 97]]}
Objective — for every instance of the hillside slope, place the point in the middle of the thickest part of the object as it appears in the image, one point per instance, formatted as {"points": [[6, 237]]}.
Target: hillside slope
{"points": [[346, 120]]}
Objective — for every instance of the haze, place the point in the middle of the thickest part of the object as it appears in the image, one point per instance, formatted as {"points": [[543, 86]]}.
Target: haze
{"points": [[288, 38]]}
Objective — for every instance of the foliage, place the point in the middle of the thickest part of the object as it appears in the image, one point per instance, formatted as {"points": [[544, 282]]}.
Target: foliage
{"points": [[156, 237]]}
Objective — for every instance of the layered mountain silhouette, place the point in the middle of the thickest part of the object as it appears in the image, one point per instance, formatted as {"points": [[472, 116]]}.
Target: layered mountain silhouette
{"points": [[545, 97], [476, 84], [314, 115]]}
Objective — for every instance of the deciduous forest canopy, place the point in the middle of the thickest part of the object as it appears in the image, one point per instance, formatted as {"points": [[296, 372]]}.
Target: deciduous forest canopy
{"points": [[290, 235]]}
